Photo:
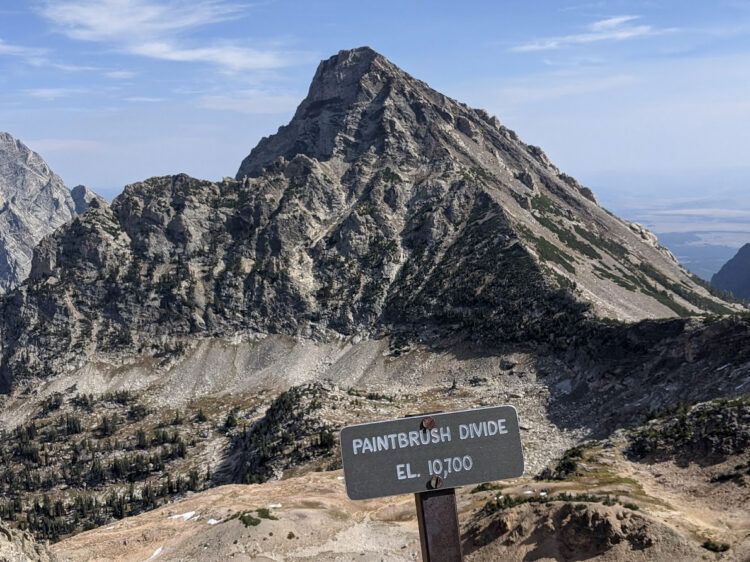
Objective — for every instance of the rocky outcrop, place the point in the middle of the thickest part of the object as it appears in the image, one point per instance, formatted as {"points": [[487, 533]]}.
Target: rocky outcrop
{"points": [[734, 276], [706, 434], [83, 197], [382, 208], [33, 203], [575, 531], [20, 546]]}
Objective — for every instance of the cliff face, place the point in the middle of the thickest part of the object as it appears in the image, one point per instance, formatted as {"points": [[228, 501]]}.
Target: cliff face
{"points": [[735, 275], [33, 203], [383, 207]]}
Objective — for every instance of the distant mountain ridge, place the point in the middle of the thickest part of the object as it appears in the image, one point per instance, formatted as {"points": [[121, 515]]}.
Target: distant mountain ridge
{"points": [[734, 276], [33, 203], [383, 208]]}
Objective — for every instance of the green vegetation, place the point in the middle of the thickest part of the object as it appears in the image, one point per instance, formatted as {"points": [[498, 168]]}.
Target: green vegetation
{"points": [[544, 204], [714, 546], [568, 238], [485, 487], [265, 513], [547, 209], [664, 298], [248, 519], [705, 433], [87, 460], [52, 404], [621, 281], [550, 252], [369, 395], [108, 425], [477, 174], [504, 502], [686, 293], [718, 293], [231, 421], [568, 464], [121, 397], [378, 396], [390, 176], [287, 435], [137, 412], [615, 249]]}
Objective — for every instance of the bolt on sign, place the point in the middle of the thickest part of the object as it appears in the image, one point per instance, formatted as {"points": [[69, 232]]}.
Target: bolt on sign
{"points": [[431, 452]]}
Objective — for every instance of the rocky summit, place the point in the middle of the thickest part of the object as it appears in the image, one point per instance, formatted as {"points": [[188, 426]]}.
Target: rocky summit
{"points": [[734, 277], [382, 208], [33, 203]]}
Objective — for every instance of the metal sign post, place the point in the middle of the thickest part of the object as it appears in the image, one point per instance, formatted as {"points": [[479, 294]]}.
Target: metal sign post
{"points": [[438, 526], [430, 456]]}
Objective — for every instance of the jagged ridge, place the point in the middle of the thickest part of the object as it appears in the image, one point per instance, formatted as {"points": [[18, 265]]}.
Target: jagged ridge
{"points": [[384, 207], [33, 203]]}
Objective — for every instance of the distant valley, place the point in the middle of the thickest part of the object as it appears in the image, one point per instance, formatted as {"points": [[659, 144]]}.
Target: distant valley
{"points": [[703, 217]]}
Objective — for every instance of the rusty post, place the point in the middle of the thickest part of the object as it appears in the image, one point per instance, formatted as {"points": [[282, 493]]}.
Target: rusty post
{"points": [[438, 526], [437, 515]]}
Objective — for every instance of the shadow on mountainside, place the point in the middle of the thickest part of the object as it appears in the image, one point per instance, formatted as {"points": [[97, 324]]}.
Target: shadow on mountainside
{"points": [[623, 374]]}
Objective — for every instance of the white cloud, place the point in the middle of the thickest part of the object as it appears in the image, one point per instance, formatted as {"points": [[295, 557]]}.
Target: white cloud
{"points": [[251, 101], [144, 99], [38, 57], [611, 23], [117, 20], [65, 67], [153, 29], [51, 94], [228, 57], [617, 28], [120, 74], [6, 49]]}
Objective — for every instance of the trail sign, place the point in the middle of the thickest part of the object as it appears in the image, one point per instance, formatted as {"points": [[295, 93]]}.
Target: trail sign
{"points": [[431, 452]]}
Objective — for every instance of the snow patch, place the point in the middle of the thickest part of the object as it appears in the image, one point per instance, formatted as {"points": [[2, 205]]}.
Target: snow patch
{"points": [[184, 516]]}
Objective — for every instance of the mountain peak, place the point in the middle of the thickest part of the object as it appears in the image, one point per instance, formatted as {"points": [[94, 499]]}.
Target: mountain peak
{"points": [[83, 198], [352, 96], [341, 74], [33, 203], [734, 276]]}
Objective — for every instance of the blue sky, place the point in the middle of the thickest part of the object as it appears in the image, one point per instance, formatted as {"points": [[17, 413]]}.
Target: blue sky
{"points": [[647, 102]]}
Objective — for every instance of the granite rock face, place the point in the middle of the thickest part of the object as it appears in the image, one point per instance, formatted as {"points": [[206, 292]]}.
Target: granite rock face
{"points": [[20, 546], [382, 208], [33, 203], [734, 277]]}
